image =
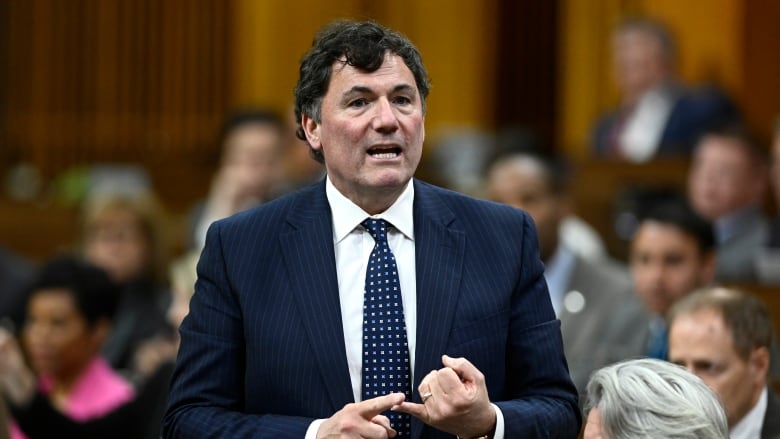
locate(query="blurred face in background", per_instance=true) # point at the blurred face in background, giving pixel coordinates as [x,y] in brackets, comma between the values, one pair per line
[251,158]
[775,174]
[56,335]
[116,241]
[723,178]
[666,264]
[523,183]
[639,62]
[701,342]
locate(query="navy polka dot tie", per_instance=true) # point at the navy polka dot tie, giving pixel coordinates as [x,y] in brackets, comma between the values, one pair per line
[385,349]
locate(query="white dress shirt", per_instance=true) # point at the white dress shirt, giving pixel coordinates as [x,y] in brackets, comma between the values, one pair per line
[749,427]
[641,135]
[350,239]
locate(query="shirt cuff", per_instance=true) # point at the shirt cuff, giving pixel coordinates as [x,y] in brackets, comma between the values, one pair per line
[499,434]
[311,433]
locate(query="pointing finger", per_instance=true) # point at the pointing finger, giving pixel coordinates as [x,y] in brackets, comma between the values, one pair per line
[369,408]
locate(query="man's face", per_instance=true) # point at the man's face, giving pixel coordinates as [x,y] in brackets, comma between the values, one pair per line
[522,183]
[722,178]
[250,165]
[666,264]
[702,343]
[638,62]
[372,130]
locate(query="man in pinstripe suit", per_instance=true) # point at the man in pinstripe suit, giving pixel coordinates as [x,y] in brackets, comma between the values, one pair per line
[273,344]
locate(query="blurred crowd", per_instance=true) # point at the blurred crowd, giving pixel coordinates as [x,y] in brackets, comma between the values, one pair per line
[95,329]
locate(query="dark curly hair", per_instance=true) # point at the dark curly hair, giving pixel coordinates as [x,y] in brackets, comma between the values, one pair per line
[362,45]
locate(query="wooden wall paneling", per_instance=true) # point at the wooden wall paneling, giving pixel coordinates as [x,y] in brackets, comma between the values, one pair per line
[761,95]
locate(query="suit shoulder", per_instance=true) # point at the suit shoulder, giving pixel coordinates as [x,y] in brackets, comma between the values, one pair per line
[273,214]
[465,206]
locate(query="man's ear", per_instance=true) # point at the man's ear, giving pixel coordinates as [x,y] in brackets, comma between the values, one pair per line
[759,363]
[312,130]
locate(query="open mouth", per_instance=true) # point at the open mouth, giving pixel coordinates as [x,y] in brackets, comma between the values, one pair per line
[382,152]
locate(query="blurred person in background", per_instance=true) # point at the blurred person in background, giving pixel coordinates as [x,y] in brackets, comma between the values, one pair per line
[774,238]
[727,183]
[768,258]
[658,116]
[649,398]
[590,297]
[69,312]
[724,336]
[135,419]
[300,169]
[671,254]
[250,169]
[124,235]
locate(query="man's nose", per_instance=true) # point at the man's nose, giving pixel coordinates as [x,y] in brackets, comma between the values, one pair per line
[385,119]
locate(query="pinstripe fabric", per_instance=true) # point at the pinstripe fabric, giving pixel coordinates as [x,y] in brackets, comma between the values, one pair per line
[264,334]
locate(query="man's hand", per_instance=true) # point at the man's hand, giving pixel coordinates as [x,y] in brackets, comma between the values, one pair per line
[455,400]
[362,419]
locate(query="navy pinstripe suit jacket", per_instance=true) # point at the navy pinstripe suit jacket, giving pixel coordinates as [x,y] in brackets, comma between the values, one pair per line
[262,352]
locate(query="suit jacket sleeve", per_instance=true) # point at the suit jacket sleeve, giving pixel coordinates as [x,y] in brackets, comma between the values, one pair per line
[541,400]
[207,396]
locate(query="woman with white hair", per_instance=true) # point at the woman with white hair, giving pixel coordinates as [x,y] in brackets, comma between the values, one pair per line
[648,398]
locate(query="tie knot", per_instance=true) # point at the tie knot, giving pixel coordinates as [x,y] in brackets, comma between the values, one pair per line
[377,228]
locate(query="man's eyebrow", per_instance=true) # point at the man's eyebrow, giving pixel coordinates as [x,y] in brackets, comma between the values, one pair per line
[359,89]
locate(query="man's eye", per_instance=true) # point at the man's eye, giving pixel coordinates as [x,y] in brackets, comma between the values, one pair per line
[358,103]
[402,100]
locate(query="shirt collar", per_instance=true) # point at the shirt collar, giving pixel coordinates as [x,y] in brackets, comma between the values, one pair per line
[557,272]
[348,215]
[750,425]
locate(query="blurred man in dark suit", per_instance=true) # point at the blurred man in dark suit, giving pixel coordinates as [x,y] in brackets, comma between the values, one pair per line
[658,116]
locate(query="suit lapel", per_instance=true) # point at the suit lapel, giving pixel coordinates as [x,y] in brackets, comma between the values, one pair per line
[439,250]
[308,252]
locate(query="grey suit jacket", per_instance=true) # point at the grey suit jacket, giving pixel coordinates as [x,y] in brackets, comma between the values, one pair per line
[603,330]
[736,255]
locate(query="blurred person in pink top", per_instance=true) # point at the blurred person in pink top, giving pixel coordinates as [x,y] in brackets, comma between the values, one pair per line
[69,313]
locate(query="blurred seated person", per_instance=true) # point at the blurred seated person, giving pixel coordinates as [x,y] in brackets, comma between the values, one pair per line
[249,169]
[768,262]
[587,296]
[724,336]
[136,419]
[657,116]
[649,398]
[726,185]
[672,253]
[161,351]
[15,275]
[300,169]
[774,239]
[123,234]
[69,312]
